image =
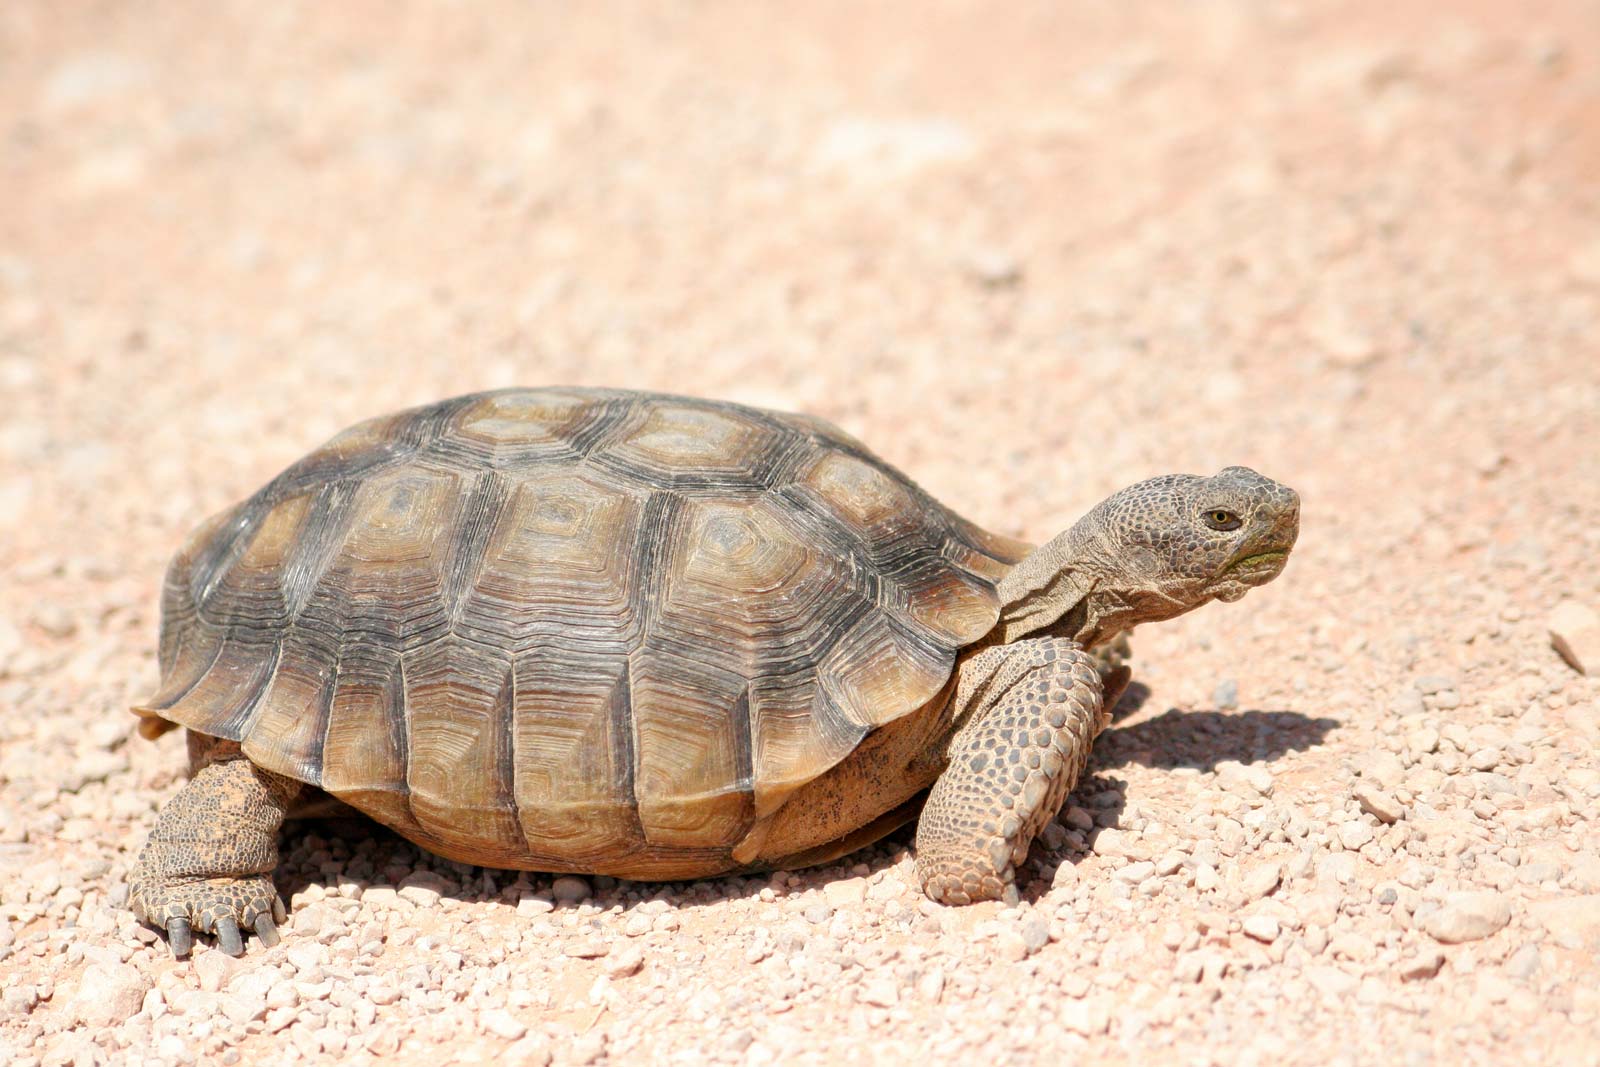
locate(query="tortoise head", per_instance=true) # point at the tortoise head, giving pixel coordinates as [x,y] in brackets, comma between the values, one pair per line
[1153,551]
[1188,539]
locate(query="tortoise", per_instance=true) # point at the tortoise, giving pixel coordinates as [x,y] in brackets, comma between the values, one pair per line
[653,637]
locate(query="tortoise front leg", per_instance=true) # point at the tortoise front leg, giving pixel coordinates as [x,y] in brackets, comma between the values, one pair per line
[208,863]
[1011,765]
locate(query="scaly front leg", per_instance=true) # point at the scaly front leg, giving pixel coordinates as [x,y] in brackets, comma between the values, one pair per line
[1011,765]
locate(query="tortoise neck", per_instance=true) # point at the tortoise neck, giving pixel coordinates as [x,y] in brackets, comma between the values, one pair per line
[1055,592]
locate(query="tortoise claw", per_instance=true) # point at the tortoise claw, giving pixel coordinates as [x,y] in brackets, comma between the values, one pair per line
[265,930]
[179,937]
[228,937]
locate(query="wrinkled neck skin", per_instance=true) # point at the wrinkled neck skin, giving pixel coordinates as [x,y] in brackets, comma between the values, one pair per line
[1070,588]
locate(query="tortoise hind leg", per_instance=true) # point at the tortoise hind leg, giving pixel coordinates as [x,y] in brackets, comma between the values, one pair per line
[208,863]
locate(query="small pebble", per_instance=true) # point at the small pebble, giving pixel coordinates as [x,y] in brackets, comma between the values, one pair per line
[818,912]
[570,889]
[1468,916]
[625,962]
[1261,880]
[880,992]
[845,892]
[1135,873]
[1354,834]
[1575,634]
[502,1024]
[1484,759]
[1035,930]
[1378,803]
[1078,819]
[1423,965]
[109,993]
[995,268]
[1246,778]
[214,968]
[423,888]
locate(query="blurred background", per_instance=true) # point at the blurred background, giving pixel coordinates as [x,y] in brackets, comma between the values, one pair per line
[1029,253]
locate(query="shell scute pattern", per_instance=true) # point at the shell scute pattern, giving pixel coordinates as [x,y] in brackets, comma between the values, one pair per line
[571,629]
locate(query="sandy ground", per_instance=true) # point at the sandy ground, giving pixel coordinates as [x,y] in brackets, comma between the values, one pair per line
[1030,253]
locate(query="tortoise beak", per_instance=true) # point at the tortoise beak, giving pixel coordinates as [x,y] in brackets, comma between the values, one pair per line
[1262,557]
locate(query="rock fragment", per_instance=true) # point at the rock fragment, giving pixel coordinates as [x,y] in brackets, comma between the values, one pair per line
[243,1008]
[109,994]
[625,962]
[1424,964]
[1088,1017]
[1035,930]
[1468,916]
[1332,982]
[1573,920]
[1379,803]
[1245,778]
[1523,963]
[1354,834]
[532,1051]
[379,896]
[880,992]
[845,891]
[1382,769]
[995,268]
[17,1001]
[423,888]
[530,907]
[502,1024]
[1261,881]
[13,831]
[1575,635]
[1134,873]
[214,969]
[570,889]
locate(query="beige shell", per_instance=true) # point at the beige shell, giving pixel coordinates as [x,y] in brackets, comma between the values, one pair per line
[571,629]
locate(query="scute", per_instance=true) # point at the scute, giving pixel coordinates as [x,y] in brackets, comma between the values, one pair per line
[860,493]
[572,629]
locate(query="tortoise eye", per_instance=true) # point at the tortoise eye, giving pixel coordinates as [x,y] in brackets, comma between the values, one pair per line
[1222,519]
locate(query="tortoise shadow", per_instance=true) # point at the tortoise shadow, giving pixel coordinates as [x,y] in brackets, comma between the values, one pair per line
[1177,738]
[1202,739]
[1131,701]
[356,851]
[352,850]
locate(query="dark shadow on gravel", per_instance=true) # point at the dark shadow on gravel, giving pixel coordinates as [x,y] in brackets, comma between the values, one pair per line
[330,851]
[1176,738]
[1202,739]
[1131,701]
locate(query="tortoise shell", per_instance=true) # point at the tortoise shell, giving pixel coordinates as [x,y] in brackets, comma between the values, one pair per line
[571,629]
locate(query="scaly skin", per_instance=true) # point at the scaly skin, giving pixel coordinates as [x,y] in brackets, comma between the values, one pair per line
[1011,766]
[208,863]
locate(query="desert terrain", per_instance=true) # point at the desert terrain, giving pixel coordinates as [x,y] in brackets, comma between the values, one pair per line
[1029,253]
